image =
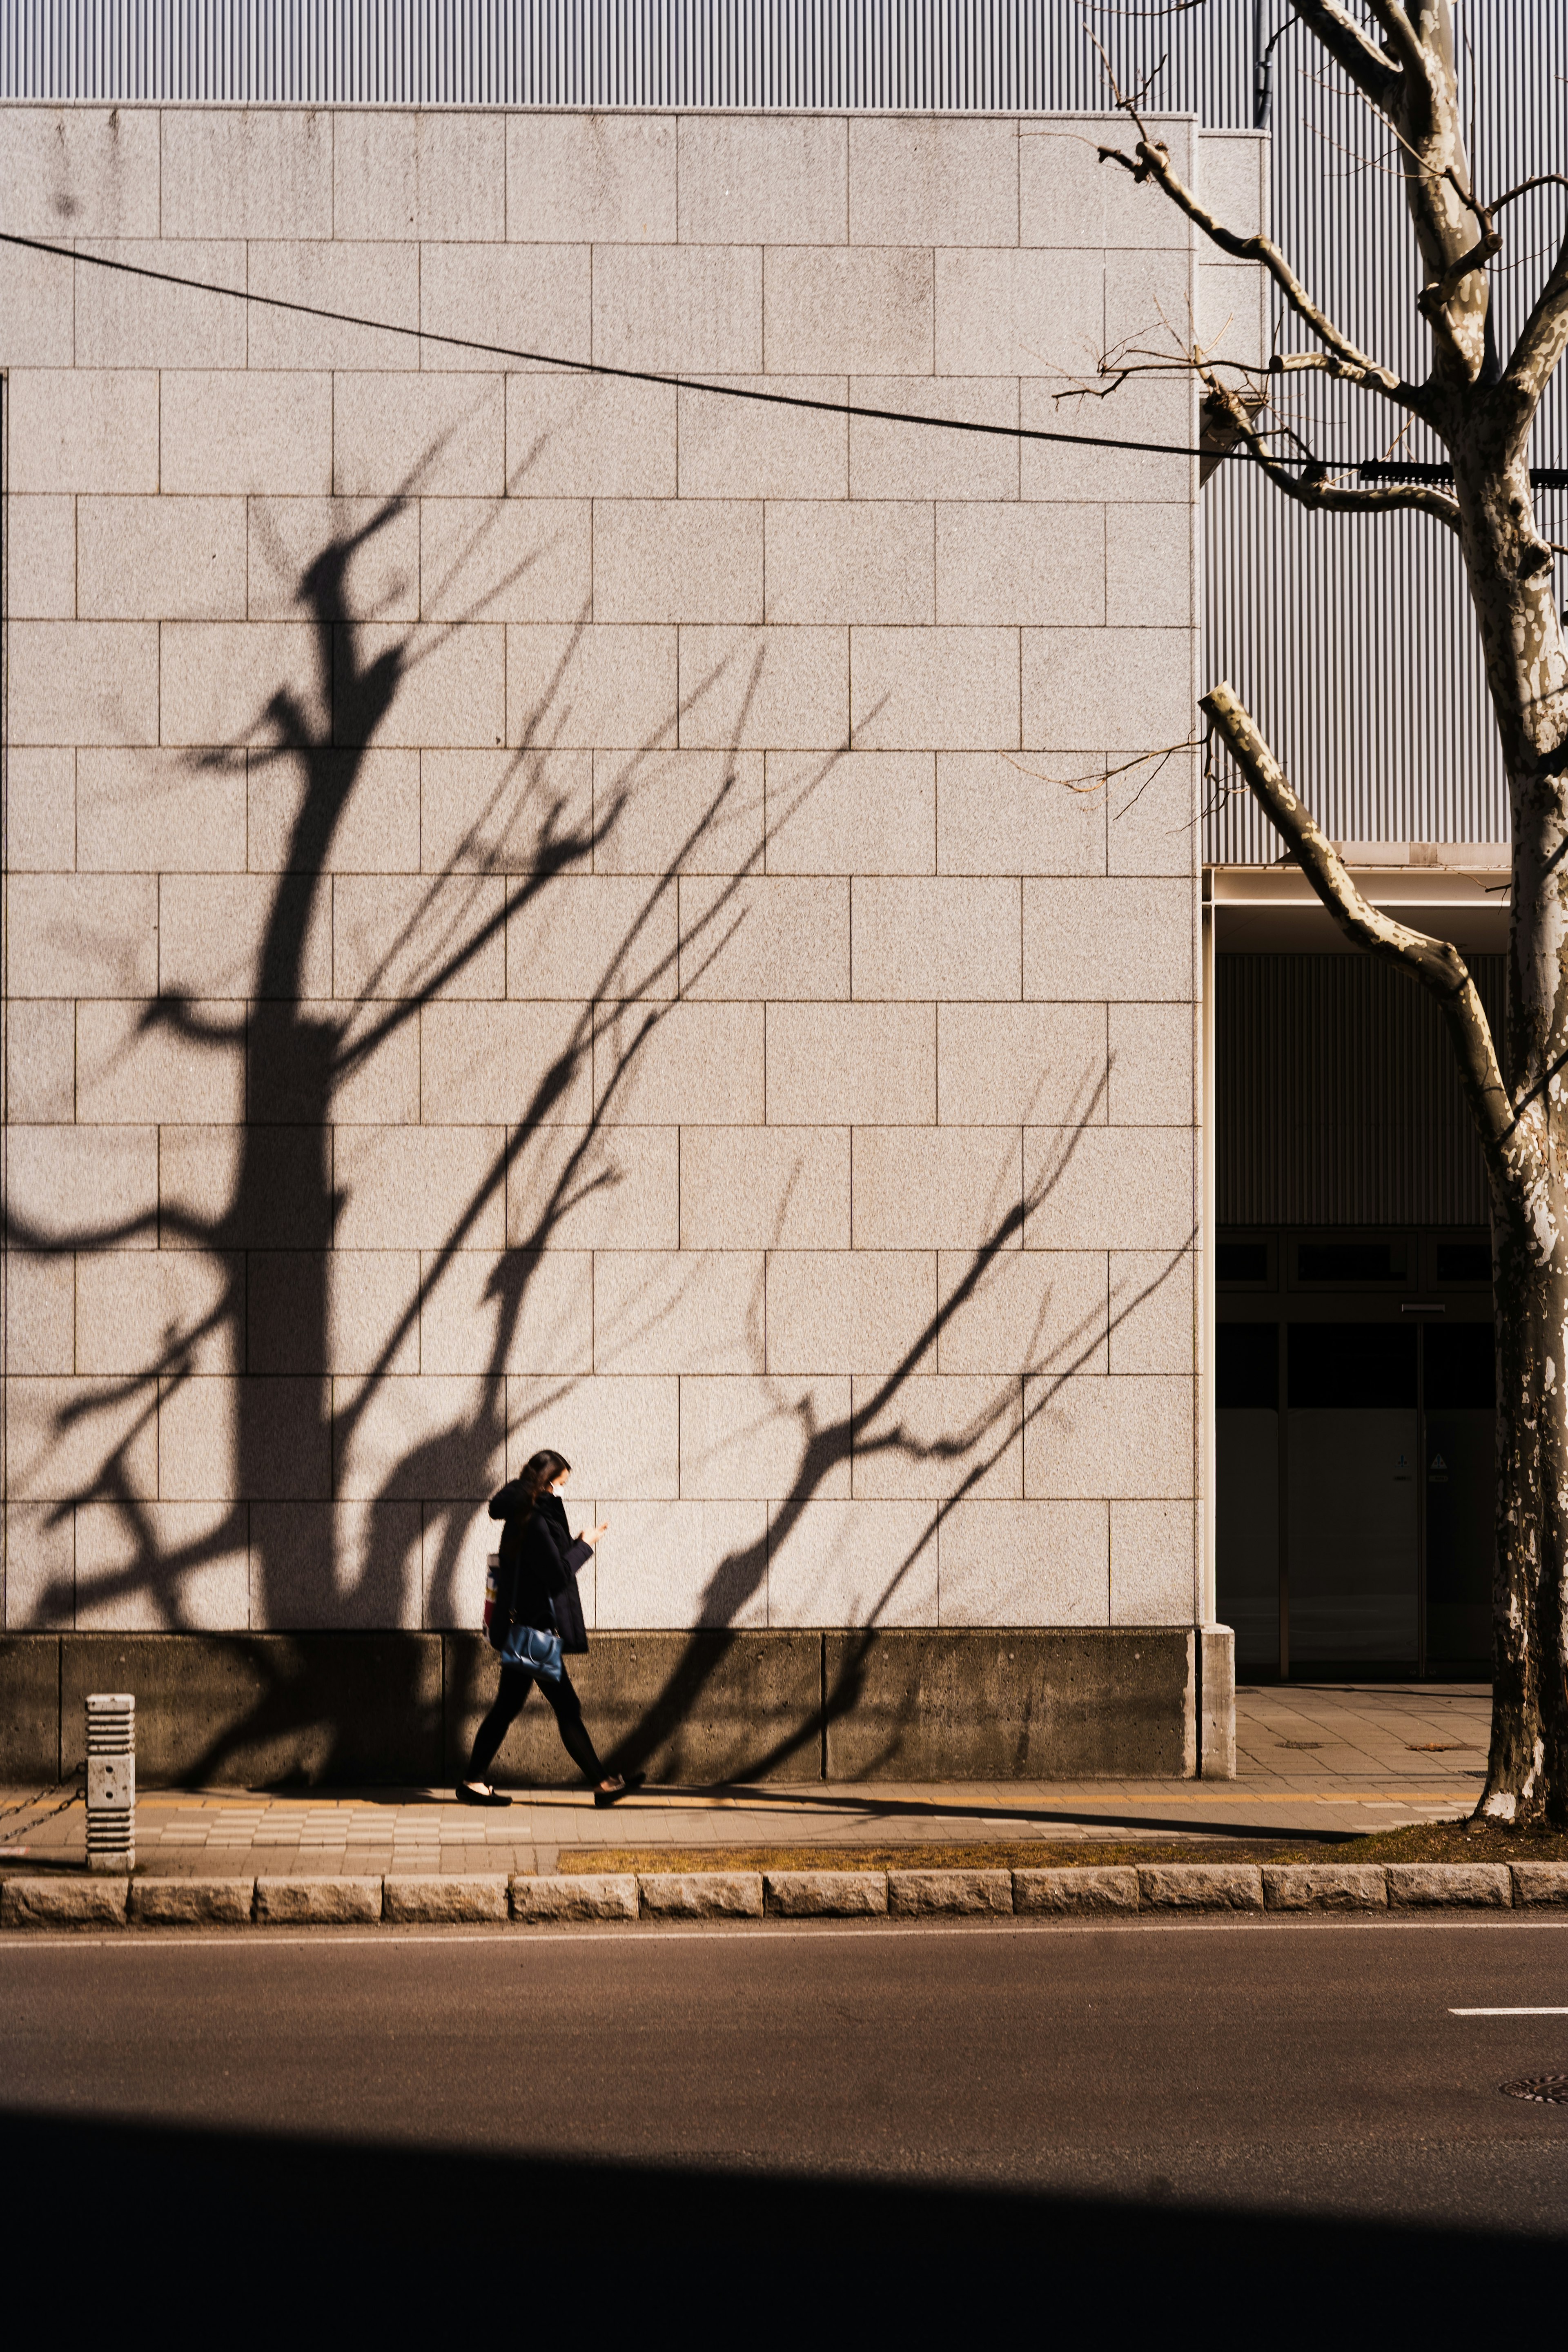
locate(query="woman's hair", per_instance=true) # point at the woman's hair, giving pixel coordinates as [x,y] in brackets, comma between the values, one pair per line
[539,1472]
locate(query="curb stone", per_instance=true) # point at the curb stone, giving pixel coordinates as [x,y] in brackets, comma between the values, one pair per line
[825,1893]
[1071,1890]
[1539,1882]
[63,1901]
[1201,1887]
[1413,1883]
[701,1893]
[317,1902]
[585,1895]
[192,1902]
[1324,1886]
[915,1894]
[439,1899]
[443,1897]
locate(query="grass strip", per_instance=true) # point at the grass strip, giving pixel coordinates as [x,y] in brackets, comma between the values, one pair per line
[1418,1841]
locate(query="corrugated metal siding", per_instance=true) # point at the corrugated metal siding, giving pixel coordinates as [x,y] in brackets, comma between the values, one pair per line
[998,56]
[1351,639]
[1338,1103]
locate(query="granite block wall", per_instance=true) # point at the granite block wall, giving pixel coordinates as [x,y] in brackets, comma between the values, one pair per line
[554,909]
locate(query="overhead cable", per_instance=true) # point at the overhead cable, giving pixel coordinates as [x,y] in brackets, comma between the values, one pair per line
[633,376]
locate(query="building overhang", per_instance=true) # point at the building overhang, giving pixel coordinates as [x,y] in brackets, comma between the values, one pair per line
[1451,890]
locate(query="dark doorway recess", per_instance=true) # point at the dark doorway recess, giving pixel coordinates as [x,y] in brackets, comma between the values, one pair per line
[1353,1407]
[1355,1414]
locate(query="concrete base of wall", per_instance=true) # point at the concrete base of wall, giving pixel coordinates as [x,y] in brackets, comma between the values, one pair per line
[260,1710]
[1216,1702]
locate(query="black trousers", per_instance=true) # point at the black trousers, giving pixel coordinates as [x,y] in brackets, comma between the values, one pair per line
[515,1682]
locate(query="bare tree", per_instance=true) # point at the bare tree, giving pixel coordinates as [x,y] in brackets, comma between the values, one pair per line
[1480,408]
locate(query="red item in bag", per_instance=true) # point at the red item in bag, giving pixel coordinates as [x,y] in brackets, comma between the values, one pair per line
[494,1629]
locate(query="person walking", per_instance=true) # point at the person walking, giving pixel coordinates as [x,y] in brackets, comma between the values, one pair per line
[537,1619]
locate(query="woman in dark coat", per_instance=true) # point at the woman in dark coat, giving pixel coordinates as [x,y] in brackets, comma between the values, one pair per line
[536,1585]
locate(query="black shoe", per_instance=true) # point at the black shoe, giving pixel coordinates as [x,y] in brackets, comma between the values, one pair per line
[467,1796]
[623,1787]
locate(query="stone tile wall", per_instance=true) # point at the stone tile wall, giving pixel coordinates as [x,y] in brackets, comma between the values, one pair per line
[548,909]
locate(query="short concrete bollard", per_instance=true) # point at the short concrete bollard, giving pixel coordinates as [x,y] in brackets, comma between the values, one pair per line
[63,1901]
[317,1902]
[701,1893]
[916,1893]
[1075,1892]
[1416,1885]
[192,1902]
[112,1782]
[1201,1887]
[1324,1886]
[825,1893]
[585,1895]
[439,1899]
[1539,1882]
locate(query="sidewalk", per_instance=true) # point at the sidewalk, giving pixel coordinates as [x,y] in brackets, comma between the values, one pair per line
[1309,1760]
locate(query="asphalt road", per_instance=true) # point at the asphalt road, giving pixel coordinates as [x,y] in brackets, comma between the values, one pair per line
[1280,2091]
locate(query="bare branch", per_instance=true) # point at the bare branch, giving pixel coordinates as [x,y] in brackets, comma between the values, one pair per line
[1153,162]
[1434,300]
[1414,73]
[1436,963]
[1219,429]
[1292,362]
[1419,106]
[1543,335]
[1102,779]
[1315,487]
[1539,179]
[1349,46]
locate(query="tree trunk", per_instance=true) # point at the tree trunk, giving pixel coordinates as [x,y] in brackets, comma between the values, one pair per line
[1482,411]
[1513,593]
[1525,1775]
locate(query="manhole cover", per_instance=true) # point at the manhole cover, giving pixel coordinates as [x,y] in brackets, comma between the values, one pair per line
[1297,1743]
[1545,2090]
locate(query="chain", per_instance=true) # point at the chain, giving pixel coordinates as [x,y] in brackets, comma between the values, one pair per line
[27,1804]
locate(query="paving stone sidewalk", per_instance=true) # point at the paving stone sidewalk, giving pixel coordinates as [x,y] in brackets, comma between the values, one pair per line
[1310,1758]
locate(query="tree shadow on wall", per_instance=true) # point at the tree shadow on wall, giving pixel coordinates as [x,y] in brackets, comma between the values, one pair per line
[339,1527]
[267,1244]
[885,1430]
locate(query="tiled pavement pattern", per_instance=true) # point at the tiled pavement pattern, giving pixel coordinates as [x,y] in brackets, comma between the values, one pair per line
[1308,1758]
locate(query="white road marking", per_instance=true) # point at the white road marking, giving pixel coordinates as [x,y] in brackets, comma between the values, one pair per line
[651,1932]
[1508,2012]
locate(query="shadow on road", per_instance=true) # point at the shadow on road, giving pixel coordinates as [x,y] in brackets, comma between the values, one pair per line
[333,2225]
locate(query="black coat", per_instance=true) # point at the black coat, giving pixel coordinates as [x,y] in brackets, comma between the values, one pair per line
[537,1584]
